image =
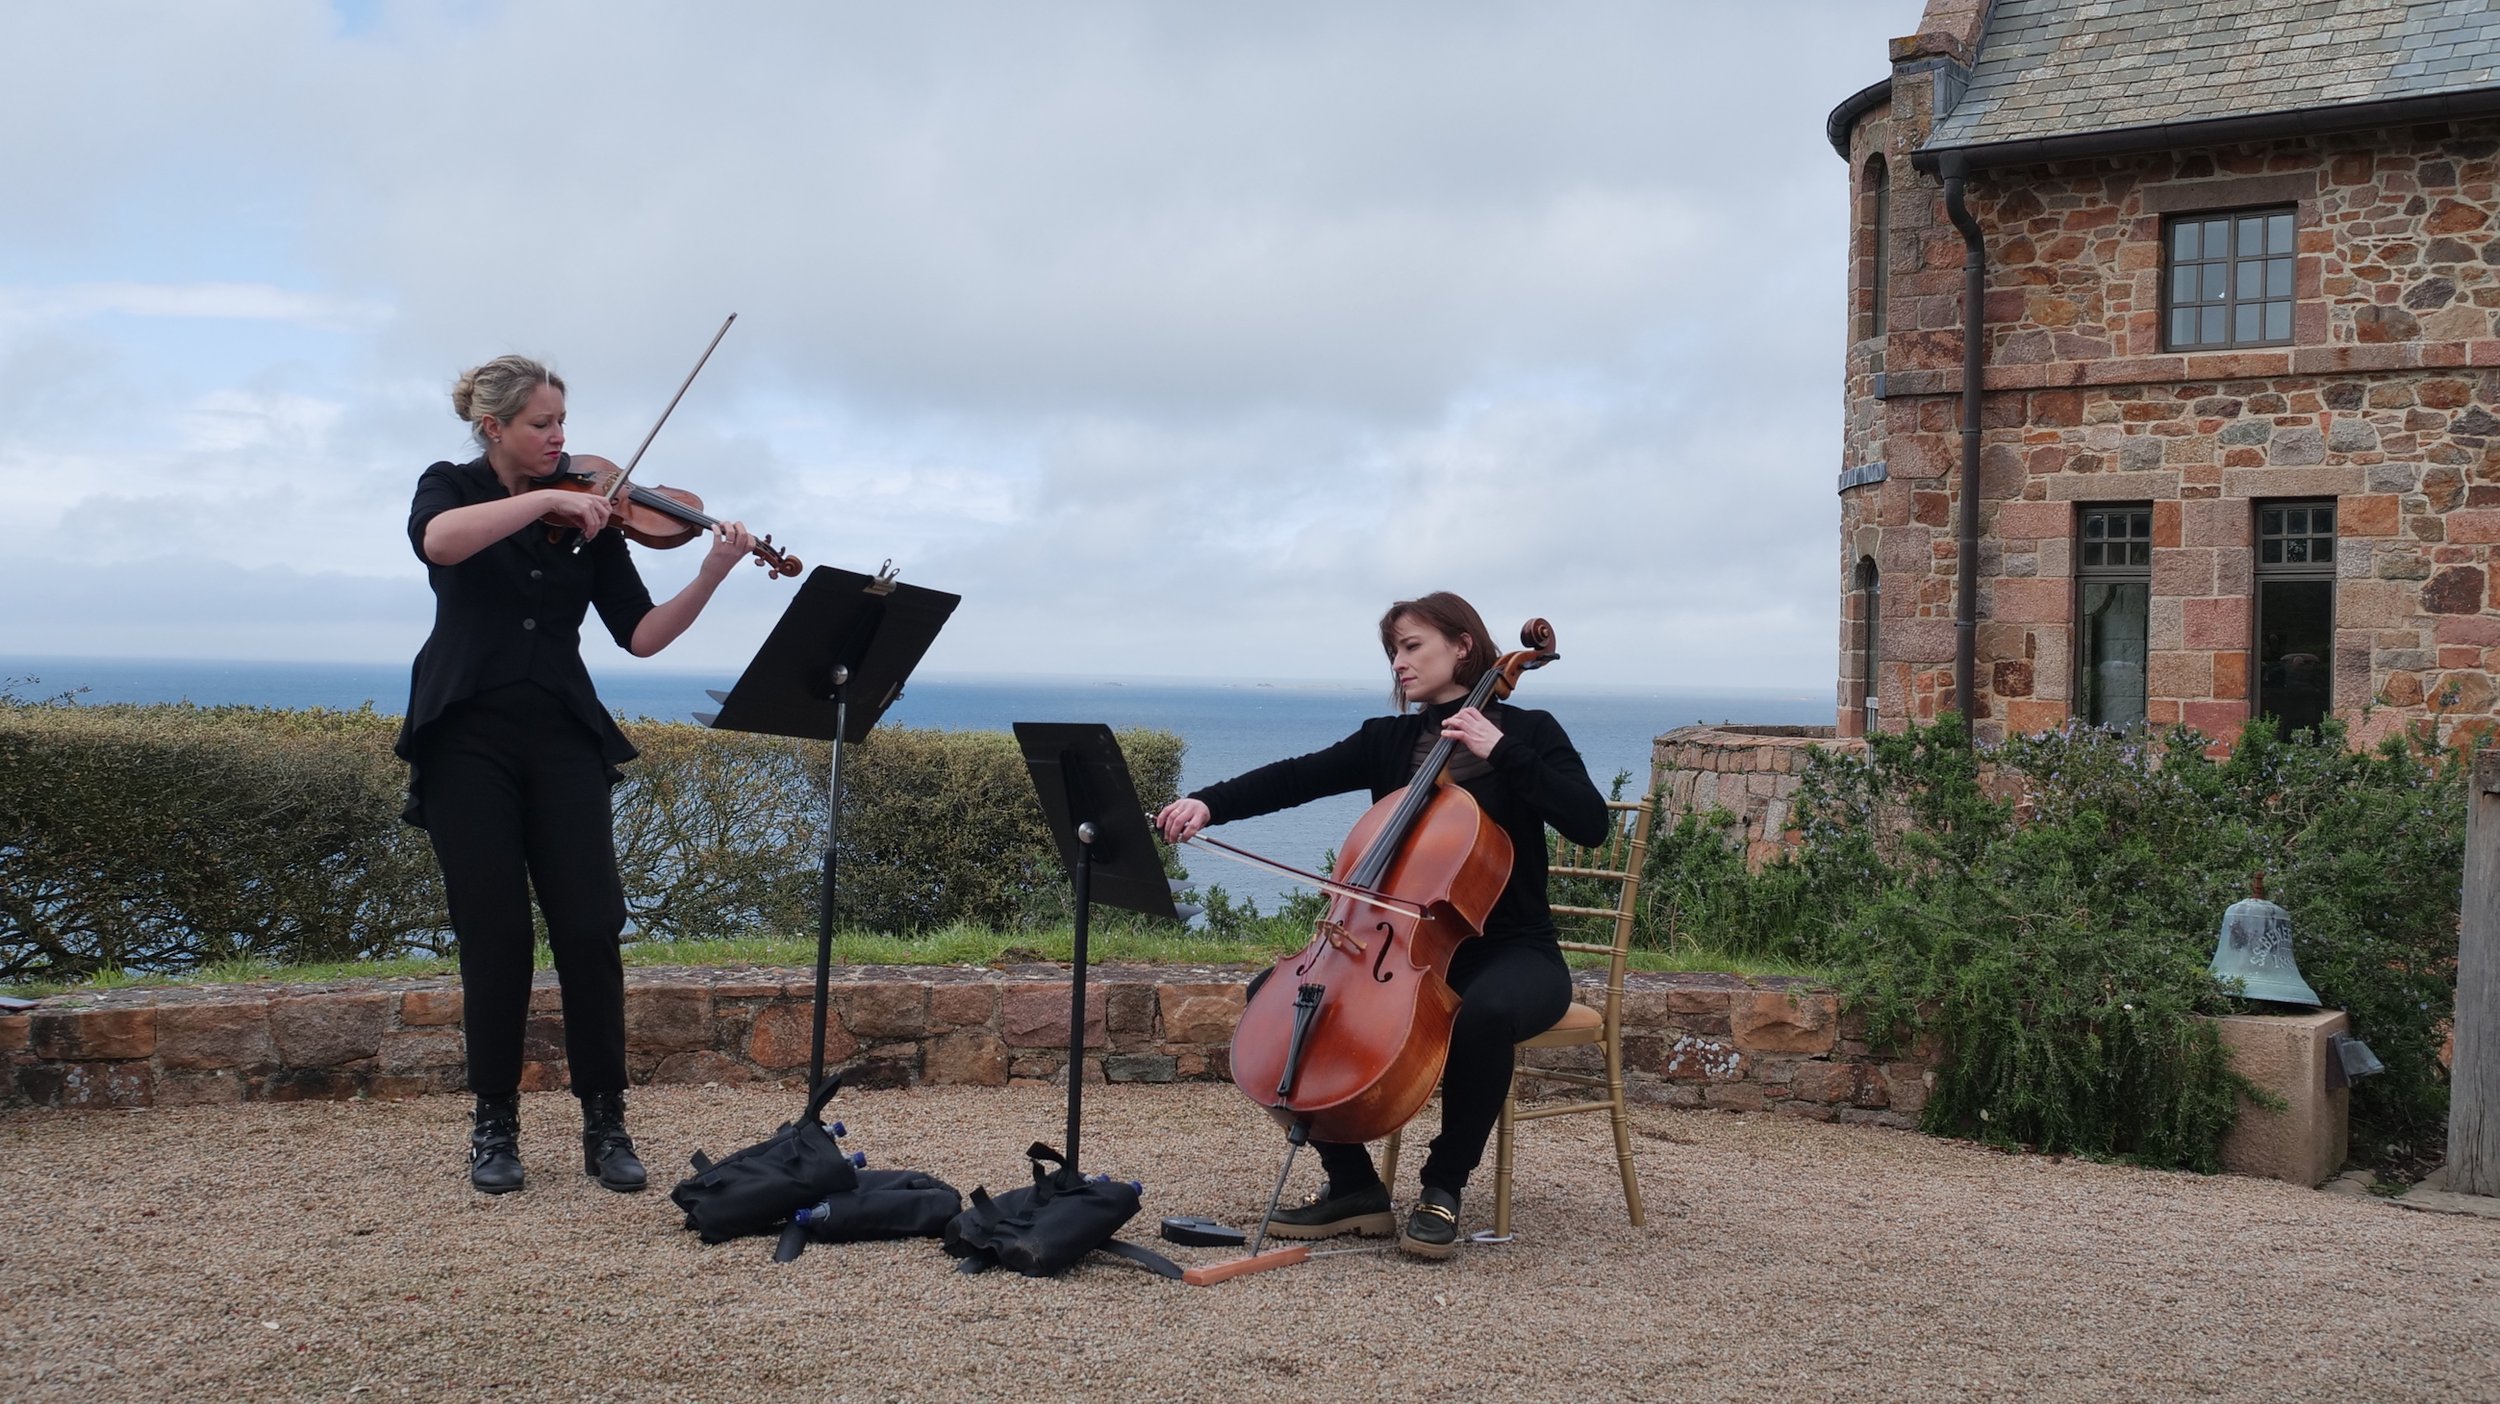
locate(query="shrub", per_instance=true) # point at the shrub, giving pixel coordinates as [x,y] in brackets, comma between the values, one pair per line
[724,834]
[2048,909]
[178,837]
[174,837]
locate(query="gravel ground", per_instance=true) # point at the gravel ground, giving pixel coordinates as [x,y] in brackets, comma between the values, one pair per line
[334,1249]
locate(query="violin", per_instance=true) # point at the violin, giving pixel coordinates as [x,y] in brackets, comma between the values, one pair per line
[1347,1038]
[658,517]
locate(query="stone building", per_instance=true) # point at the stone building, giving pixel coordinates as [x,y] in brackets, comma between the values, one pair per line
[2172,378]
[2234,431]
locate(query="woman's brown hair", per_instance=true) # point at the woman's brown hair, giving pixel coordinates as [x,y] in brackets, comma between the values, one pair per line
[1456,619]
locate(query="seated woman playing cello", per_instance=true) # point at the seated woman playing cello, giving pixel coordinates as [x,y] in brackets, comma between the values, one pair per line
[1522,770]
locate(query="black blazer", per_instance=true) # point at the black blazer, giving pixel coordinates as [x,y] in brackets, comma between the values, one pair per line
[1533,778]
[513,613]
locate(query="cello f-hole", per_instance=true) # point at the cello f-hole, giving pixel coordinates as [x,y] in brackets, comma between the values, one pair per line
[1379,975]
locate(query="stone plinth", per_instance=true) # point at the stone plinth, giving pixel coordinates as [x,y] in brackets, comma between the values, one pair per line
[2286,1054]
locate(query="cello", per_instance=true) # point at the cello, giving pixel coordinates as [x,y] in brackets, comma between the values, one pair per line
[1346,1039]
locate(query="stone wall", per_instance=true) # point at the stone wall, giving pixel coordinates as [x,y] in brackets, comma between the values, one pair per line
[1750,772]
[1690,1040]
[2387,401]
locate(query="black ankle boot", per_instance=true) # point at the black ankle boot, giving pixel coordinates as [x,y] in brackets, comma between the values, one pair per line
[494,1149]
[607,1151]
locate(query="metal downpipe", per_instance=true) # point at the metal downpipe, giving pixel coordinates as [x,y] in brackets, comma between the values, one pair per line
[1966,552]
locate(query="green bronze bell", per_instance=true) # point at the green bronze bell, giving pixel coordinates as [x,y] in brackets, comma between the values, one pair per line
[2255,948]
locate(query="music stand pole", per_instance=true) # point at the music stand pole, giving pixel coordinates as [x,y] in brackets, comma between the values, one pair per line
[844,638]
[1082,876]
[824,888]
[1090,805]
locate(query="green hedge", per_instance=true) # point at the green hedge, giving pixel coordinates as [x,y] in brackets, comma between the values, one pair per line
[167,838]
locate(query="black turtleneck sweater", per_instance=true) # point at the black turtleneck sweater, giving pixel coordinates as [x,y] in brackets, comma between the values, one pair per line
[1533,778]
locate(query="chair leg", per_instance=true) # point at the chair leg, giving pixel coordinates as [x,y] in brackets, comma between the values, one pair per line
[1389,1163]
[1623,1132]
[1501,1170]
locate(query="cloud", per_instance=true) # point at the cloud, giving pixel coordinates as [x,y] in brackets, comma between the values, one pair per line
[250,302]
[1179,339]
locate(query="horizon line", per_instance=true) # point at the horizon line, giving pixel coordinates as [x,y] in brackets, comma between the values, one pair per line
[629,670]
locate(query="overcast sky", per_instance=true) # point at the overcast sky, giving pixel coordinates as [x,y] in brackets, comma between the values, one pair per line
[1177,338]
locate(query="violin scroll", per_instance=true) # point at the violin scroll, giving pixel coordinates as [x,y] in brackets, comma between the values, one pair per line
[777,563]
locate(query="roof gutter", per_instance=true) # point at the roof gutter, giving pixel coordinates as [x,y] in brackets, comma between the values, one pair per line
[2214,131]
[1844,118]
[1966,544]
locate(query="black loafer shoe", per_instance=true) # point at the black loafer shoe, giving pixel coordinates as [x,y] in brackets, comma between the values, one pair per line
[1432,1230]
[1328,1213]
[494,1145]
[607,1152]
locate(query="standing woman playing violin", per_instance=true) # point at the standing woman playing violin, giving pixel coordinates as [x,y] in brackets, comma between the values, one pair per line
[513,754]
[1522,770]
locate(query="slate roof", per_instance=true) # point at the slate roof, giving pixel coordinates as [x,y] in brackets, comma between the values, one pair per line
[2061,68]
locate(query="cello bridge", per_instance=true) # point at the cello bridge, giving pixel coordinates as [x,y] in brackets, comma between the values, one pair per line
[1334,933]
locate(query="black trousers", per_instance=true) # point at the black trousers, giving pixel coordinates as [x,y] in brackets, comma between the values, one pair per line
[516,798]
[1509,990]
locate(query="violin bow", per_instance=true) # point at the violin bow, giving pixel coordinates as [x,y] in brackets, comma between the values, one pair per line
[617,488]
[1327,885]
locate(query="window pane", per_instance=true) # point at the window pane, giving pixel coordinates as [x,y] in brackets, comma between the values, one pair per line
[2094,525]
[2215,284]
[2209,325]
[2217,237]
[2252,236]
[2251,280]
[2140,524]
[2139,553]
[2296,550]
[2183,327]
[2279,233]
[2278,321]
[2248,322]
[2183,283]
[2278,277]
[2270,521]
[2296,521]
[2271,553]
[2183,239]
[2295,648]
[2113,651]
[2322,549]
[2322,519]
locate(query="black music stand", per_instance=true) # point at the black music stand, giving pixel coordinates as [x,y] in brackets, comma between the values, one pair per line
[1091,805]
[846,638]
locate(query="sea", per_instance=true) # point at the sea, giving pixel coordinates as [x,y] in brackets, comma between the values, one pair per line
[1228,726]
